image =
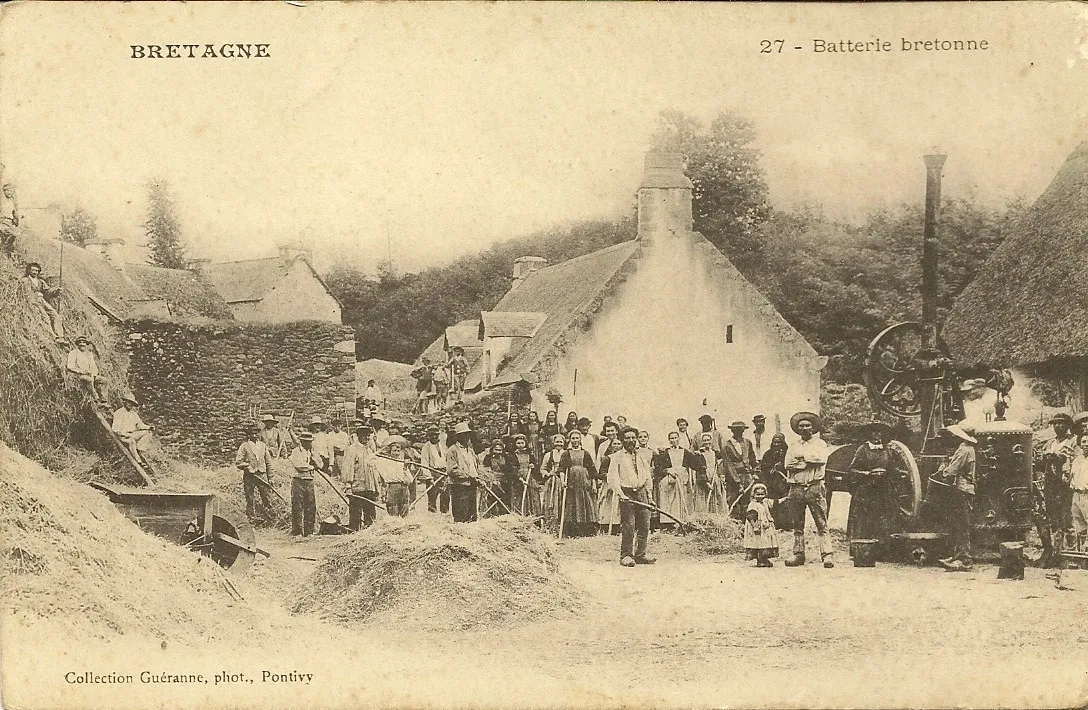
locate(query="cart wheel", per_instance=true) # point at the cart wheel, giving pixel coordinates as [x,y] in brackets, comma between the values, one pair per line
[227,553]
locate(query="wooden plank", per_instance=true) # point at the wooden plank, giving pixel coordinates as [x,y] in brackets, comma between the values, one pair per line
[239,544]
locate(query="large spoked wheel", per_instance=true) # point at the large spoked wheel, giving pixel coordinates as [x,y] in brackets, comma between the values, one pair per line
[890,375]
[905,485]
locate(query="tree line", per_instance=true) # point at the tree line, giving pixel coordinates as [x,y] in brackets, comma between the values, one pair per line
[838,283]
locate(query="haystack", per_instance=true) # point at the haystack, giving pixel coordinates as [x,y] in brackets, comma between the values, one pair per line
[714,535]
[438,575]
[73,564]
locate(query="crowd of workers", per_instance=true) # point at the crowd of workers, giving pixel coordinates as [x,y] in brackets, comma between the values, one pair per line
[573,481]
[576,482]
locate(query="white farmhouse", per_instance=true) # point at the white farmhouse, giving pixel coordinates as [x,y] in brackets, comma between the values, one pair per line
[655,328]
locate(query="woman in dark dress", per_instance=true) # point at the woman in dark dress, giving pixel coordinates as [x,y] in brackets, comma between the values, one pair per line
[550,427]
[496,473]
[524,481]
[571,424]
[532,430]
[773,474]
[577,469]
[552,495]
[872,503]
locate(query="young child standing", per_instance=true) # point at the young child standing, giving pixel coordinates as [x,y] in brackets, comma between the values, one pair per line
[760,538]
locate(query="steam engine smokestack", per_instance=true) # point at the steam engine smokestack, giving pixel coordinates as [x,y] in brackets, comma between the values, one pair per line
[934,163]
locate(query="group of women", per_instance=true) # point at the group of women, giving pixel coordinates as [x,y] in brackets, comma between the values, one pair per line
[557,472]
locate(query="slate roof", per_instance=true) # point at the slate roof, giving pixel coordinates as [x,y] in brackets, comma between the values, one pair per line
[564,292]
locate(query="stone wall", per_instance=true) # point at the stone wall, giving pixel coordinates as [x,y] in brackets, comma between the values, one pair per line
[198,382]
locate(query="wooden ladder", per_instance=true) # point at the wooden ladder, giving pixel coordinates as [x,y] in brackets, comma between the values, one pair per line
[107,426]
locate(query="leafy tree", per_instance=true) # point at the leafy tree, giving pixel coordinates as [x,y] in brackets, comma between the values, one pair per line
[840,284]
[729,201]
[162,227]
[78,227]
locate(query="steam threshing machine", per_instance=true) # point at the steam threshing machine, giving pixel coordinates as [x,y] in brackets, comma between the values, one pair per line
[911,377]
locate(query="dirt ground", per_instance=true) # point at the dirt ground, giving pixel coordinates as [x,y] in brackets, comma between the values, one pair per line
[689,631]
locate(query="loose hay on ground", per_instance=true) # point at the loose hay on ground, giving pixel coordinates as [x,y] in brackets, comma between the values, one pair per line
[439,575]
[714,535]
[73,563]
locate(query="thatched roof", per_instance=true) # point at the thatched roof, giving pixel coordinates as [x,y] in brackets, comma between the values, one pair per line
[1029,303]
[248,280]
[565,292]
[510,324]
[140,291]
[185,293]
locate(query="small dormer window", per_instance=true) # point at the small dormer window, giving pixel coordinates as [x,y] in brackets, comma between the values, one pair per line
[729,333]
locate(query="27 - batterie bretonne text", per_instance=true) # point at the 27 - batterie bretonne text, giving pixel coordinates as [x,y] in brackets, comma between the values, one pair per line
[903,45]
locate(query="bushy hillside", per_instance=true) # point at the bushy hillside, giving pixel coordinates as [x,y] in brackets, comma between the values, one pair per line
[398,316]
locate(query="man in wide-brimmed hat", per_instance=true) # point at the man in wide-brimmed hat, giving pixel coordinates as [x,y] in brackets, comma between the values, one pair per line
[271,434]
[463,473]
[432,457]
[872,503]
[805,464]
[34,289]
[394,475]
[380,422]
[304,461]
[954,485]
[1057,495]
[131,429]
[739,455]
[1080,423]
[361,477]
[255,462]
[82,364]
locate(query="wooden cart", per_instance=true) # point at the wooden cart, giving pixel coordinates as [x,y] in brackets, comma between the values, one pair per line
[196,520]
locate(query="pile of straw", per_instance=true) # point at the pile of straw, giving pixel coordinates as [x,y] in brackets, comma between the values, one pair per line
[73,564]
[40,406]
[437,575]
[714,535]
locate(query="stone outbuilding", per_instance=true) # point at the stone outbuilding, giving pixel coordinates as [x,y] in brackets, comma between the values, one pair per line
[277,289]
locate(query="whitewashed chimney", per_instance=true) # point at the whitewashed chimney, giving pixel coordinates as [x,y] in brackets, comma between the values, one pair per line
[664,197]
